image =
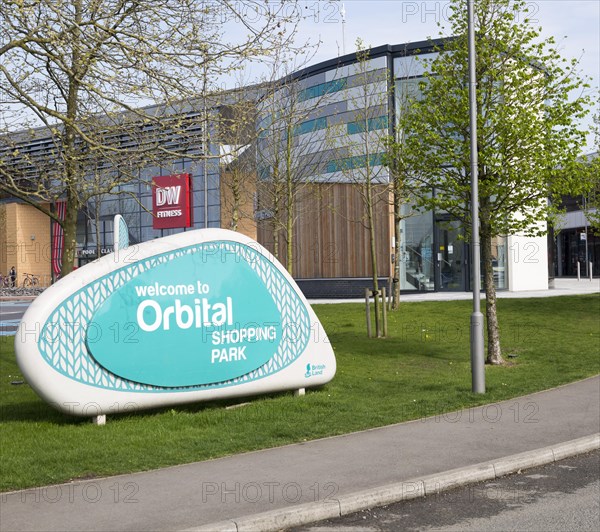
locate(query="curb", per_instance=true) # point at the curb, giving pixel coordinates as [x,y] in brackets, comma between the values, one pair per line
[303,514]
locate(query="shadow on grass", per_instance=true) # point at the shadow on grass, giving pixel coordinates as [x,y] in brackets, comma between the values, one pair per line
[36,410]
[427,348]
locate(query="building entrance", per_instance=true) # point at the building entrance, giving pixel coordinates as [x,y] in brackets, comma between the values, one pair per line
[575,246]
[450,257]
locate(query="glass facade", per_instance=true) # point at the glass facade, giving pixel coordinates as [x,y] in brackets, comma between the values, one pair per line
[134,202]
[420,268]
[575,246]
[353,107]
[499,262]
[450,256]
[372,124]
[321,89]
[417,268]
[356,161]
[435,255]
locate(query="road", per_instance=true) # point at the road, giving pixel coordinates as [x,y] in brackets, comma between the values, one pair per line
[11,313]
[556,497]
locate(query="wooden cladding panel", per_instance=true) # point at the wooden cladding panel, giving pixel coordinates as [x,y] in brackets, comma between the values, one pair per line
[246,183]
[330,236]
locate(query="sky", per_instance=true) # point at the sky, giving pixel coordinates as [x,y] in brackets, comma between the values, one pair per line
[575,24]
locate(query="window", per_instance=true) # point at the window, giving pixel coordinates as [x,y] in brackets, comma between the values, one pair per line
[323,88]
[379,122]
[264,173]
[310,126]
[350,163]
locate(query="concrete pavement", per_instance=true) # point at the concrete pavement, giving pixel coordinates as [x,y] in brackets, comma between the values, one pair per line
[561,287]
[301,483]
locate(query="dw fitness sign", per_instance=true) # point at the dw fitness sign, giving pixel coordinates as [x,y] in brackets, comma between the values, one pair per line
[197,316]
[171,201]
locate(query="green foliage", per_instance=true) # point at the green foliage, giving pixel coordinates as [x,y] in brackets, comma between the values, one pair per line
[591,177]
[421,369]
[528,139]
[527,125]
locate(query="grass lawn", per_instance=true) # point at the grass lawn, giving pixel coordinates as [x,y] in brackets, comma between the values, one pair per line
[421,369]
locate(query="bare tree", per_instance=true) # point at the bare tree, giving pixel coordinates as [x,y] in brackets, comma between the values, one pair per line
[400,170]
[115,81]
[361,149]
[238,134]
[292,135]
[400,184]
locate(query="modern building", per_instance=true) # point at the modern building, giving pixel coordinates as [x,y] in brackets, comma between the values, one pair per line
[133,199]
[576,244]
[331,117]
[347,106]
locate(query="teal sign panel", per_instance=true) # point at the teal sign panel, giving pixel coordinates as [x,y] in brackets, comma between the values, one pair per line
[193,320]
[211,315]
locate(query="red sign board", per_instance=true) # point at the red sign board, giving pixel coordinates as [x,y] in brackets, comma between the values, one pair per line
[172,201]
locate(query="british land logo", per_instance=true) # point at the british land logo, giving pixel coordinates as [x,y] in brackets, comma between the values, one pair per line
[314,370]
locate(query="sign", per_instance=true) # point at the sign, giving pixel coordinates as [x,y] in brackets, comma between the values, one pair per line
[120,233]
[190,328]
[202,315]
[120,240]
[171,201]
[92,252]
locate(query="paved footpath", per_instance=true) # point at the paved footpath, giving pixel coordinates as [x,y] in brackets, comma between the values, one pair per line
[295,484]
[560,287]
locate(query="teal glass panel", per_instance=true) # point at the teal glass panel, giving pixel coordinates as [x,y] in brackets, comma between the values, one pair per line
[350,163]
[310,125]
[379,122]
[323,88]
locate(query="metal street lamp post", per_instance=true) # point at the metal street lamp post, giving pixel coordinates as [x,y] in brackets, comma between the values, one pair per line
[477,362]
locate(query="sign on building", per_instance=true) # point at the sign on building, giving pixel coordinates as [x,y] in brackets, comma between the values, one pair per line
[172,201]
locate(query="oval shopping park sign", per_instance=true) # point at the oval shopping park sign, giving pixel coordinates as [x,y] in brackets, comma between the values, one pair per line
[201,315]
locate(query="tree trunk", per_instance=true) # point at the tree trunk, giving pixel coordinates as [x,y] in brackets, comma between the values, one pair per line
[236,197]
[69,235]
[289,184]
[290,238]
[97,226]
[494,353]
[397,257]
[275,227]
[373,247]
[72,169]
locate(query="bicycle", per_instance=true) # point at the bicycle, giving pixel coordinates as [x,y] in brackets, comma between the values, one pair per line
[30,280]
